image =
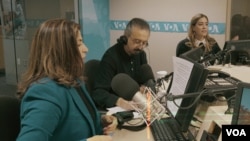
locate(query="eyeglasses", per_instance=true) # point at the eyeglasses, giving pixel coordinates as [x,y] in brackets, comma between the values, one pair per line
[140,42]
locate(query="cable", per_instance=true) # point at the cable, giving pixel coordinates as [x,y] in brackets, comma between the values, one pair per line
[131,122]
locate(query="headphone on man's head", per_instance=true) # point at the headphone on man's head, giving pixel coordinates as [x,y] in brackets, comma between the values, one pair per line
[122,40]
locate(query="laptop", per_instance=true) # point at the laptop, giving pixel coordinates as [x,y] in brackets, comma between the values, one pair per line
[241,114]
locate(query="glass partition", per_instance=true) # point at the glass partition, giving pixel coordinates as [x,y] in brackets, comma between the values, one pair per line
[19,21]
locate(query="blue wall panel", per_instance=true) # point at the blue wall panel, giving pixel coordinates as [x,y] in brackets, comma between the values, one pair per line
[95,23]
[162,26]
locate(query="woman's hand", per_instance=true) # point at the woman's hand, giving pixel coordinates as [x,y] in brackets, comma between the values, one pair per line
[109,123]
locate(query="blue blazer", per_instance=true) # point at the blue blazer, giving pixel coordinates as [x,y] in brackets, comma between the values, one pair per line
[53,112]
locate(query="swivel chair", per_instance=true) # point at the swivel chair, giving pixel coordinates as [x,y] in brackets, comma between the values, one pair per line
[9,118]
[90,71]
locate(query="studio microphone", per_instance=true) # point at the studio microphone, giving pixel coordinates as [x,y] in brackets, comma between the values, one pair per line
[126,87]
[226,52]
[145,103]
[223,52]
[146,77]
[219,55]
[168,76]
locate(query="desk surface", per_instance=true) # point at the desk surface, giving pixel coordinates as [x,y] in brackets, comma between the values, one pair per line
[126,135]
[239,72]
[214,116]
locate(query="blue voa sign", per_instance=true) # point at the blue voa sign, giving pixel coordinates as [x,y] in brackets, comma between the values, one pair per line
[179,27]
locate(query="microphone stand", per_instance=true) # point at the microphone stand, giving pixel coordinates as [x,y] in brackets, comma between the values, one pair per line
[225,59]
[161,80]
[207,58]
[171,97]
[221,56]
[212,92]
[197,95]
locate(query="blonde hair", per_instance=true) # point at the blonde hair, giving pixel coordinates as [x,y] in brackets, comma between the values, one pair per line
[54,54]
[210,41]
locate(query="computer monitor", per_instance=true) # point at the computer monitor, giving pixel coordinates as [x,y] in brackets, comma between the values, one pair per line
[193,55]
[239,52]
[199,55]
[195,84]
[241,114]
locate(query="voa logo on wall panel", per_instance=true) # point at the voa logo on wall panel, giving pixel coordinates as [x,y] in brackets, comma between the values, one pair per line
[175,27]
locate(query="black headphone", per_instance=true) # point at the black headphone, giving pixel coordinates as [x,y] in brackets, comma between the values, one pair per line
[126,116]
[122,40]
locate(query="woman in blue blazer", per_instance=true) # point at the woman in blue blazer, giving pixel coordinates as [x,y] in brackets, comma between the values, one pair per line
[55,105]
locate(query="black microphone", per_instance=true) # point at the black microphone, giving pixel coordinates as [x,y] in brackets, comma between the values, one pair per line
[219,55]
[208,57]
[166,78]
[146,77]
[124,86]
[227,51]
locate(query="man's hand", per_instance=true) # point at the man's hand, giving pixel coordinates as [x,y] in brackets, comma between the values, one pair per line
[124,104]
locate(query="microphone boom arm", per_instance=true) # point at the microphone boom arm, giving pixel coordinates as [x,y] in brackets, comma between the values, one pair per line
[210,92]
[171,97]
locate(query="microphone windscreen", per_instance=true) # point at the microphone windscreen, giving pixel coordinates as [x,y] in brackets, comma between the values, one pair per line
[124,86]
[145,73]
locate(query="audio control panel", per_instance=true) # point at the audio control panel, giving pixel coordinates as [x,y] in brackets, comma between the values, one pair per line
[218,79]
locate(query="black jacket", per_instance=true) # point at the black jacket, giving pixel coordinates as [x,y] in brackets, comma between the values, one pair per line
[114,61]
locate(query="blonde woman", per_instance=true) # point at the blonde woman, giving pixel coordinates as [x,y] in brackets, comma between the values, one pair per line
[198,36]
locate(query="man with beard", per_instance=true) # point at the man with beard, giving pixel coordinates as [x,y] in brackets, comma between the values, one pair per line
[126,56]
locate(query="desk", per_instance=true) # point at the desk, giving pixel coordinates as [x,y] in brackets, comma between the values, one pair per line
[214,117]
[239,72]
[125,135]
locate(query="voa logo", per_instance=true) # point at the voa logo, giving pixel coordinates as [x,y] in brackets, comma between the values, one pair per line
[177,27]
[236,132]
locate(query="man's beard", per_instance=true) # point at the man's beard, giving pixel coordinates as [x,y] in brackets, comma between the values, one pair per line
[137,51]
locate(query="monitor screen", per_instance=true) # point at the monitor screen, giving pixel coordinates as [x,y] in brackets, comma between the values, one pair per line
[199,55]
[193,55]
[239,52]
[195,84]
[241,114]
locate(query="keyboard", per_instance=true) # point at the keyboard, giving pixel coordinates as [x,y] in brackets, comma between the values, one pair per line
[166,129]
